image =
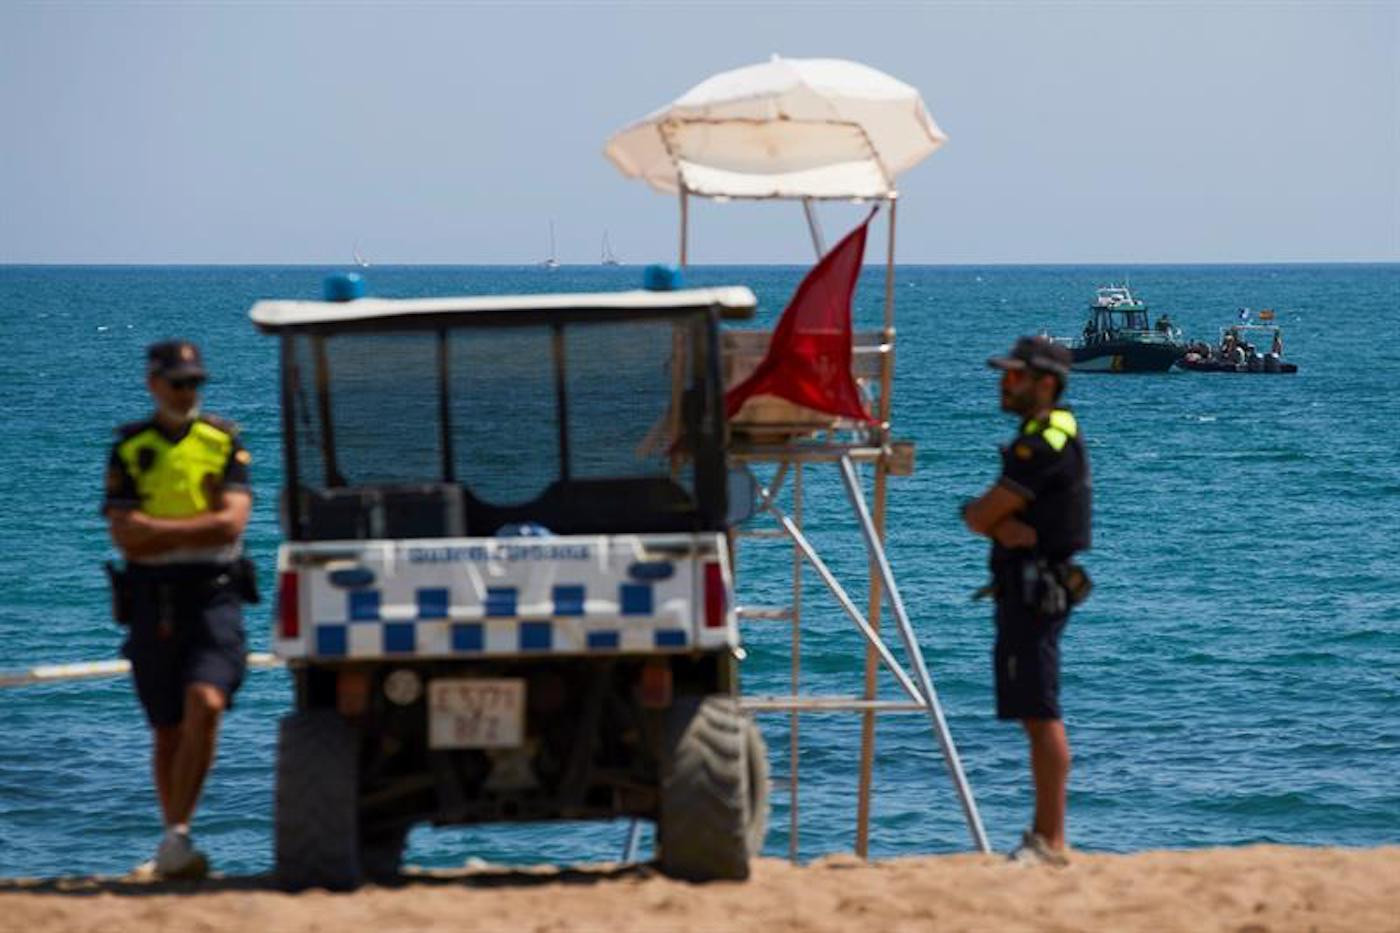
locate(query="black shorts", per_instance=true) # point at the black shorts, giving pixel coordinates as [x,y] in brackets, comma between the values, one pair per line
[185,629]
[1027,658]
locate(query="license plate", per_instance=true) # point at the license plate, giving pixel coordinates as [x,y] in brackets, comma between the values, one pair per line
[476,713]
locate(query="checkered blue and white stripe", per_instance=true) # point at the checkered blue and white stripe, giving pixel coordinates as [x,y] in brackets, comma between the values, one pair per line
[504,597]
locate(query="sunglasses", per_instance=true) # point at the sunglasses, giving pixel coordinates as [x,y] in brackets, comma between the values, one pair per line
[192,382]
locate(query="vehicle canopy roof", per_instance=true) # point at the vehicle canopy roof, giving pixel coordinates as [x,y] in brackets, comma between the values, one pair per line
[278,316]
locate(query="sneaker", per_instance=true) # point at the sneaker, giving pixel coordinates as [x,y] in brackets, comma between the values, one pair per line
[1034,850]
[178,858]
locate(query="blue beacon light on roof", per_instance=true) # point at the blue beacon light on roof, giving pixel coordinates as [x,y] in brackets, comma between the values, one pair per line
[343,286]
[662,278]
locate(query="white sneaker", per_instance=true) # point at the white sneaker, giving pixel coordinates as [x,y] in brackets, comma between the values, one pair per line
[178,858]
[1034,850]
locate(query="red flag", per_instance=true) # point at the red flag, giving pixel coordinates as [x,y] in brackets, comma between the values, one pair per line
[809,358]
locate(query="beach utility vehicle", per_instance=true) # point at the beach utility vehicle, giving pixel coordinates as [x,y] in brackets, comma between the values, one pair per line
[505,591]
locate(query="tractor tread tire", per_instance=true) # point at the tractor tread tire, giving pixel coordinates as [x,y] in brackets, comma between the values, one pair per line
[316,814]
[714,790]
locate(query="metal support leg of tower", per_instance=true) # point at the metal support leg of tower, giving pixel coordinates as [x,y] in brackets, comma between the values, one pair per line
[795,614]
[919,687]
[842,597]
[916,656]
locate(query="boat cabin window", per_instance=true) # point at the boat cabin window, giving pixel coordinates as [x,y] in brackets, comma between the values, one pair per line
[1134,320]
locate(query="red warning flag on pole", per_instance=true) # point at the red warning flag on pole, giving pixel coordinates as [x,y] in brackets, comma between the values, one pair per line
[809,358]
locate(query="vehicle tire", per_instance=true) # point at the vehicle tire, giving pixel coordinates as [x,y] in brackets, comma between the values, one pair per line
[714,791]
[316,813]
[758,786]
[381,853]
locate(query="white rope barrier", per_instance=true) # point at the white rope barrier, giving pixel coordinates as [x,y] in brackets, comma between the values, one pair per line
[84,670]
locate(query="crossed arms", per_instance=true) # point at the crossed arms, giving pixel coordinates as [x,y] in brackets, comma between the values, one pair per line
[139,535]
[994,515]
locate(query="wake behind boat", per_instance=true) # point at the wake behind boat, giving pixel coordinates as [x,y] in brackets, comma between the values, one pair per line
[1118,339]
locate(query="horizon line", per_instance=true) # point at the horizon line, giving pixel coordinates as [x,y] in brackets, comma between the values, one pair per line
[693,265]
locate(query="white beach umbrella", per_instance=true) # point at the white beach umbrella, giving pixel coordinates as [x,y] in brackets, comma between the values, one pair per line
[788,128]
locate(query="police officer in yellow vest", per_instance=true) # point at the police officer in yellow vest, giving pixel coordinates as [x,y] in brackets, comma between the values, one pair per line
[1037,514]
[177,501]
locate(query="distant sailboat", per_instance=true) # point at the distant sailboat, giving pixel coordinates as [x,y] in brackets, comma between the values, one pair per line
[609,257]
[551,262]
[360,261]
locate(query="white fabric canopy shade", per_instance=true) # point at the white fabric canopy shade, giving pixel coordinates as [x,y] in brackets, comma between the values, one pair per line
[788,128]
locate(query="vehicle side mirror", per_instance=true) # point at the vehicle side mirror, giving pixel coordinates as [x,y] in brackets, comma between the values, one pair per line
[743,496]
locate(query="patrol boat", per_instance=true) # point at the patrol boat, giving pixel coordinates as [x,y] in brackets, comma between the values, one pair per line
[1117,338]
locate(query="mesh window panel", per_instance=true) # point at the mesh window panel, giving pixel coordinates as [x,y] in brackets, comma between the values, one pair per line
[624,400]
[505,434]
[306,420]
[384,406]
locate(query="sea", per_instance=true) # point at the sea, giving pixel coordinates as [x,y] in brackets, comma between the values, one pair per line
[1234,678]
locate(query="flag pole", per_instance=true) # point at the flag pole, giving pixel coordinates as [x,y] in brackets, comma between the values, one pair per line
[685,224]
[814,227]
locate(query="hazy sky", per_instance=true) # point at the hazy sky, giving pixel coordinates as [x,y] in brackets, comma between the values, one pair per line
[454,133]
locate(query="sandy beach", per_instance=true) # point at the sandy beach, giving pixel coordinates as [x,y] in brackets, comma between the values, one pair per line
[1254,889]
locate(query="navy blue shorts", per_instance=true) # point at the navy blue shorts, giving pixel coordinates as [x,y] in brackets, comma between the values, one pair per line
[1027,658]
[184,631]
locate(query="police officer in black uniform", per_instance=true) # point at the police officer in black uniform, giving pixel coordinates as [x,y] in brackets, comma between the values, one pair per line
[177,501]
[1037,515]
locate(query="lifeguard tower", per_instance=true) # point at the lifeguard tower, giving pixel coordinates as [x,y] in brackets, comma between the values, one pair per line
[813,392]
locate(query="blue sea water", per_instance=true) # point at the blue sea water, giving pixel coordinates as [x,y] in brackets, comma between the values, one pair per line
[1234,679]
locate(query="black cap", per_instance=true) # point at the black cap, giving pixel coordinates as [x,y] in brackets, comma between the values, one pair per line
[1038,353]
[175,359]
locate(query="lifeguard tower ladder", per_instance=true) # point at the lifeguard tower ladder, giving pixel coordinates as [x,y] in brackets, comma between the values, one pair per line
[811,131]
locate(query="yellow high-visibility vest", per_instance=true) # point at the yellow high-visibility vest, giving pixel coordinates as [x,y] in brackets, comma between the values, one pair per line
[174,480]
[1057,432]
